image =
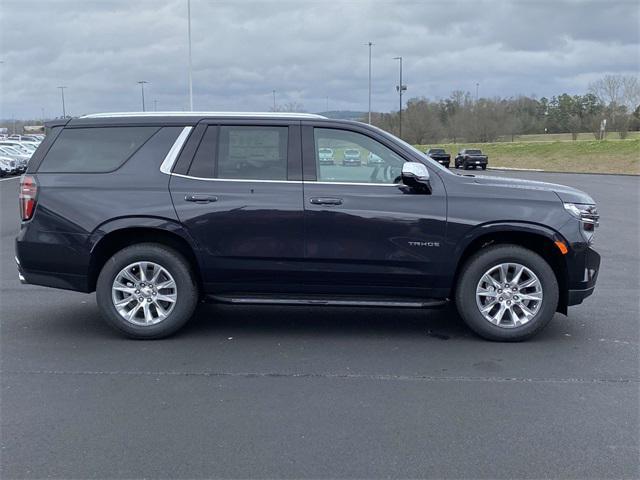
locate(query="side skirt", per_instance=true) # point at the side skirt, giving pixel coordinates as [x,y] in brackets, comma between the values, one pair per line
[334,300]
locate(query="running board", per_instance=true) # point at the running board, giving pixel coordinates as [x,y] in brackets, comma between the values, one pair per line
[331,301]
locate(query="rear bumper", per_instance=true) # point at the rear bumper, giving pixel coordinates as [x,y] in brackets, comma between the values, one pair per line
[65,281]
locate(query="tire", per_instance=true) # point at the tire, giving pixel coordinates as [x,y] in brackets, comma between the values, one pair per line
[483,261]
[484,167]
[465,166]
[157,257]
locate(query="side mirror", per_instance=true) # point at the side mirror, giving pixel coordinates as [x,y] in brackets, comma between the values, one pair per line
[416,175]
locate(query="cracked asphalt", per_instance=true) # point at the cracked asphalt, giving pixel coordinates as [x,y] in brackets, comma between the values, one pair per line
[257,392]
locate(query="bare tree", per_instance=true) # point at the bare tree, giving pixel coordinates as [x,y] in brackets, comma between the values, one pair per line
[575,125]
[608,89]
[289,107]
[630,92]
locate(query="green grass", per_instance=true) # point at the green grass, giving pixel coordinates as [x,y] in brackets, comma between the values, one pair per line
[608,156]
[563,137]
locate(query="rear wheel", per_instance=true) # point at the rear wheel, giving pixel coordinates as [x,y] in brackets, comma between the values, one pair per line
[506,293]
[147,291]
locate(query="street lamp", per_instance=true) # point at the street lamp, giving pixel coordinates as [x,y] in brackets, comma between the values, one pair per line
[190,65]
[141,83]
[400,88]
[370,45]
[477,87]
[64,111]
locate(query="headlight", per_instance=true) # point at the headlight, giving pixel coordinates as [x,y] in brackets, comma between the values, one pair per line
[588,216]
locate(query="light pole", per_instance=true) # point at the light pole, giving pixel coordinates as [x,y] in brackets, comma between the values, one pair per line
[477,87]
[274,100]
[400,88]
[190,65]
[142,82]
[370,45]
[64,111]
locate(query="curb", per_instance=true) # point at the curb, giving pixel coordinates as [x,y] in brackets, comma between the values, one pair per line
[538,170]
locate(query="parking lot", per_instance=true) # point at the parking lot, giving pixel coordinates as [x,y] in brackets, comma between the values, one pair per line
[327,392]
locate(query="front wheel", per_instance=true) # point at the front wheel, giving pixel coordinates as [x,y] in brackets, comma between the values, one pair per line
[506,293]
[484,167]
[147,291]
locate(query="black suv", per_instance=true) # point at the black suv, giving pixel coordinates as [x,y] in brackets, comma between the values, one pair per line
[156,212]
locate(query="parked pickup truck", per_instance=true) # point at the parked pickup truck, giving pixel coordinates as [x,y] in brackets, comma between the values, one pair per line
[440,156]
[468,158]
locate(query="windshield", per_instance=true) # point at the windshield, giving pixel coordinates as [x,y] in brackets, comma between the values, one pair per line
[436,150]
[10,150]
[22,148]
[474,152]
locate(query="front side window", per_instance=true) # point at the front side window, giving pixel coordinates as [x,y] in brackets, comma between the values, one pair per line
[343,156]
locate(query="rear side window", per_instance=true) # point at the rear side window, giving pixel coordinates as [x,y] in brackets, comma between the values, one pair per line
[94,150]
[242,152]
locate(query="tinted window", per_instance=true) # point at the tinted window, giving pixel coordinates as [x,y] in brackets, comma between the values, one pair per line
[242,152]
[252,153]
[204,160]
[357,158]
[94,150]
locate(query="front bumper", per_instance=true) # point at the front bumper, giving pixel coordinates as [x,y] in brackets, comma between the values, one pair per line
[583,274]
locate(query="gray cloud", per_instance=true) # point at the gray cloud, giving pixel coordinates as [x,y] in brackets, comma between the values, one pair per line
[306,50]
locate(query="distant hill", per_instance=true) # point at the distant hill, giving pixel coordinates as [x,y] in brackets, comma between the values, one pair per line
[344,114]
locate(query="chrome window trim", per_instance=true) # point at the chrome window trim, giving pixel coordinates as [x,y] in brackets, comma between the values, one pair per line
[357,183]
[247,180]
[172,155]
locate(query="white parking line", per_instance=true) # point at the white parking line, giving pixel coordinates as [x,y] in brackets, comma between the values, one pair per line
[5,179]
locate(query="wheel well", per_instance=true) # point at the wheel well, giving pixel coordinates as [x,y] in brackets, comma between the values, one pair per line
[119,239]
[540,244]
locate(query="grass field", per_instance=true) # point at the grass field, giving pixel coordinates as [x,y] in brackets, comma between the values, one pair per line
[607,156]
[564,137]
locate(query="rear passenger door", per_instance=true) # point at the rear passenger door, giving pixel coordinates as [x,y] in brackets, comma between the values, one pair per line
[237,188]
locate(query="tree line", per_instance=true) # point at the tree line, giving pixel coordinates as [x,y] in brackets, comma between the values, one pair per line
[461,117]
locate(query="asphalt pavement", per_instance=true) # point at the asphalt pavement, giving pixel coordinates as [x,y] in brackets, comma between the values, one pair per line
[247,392]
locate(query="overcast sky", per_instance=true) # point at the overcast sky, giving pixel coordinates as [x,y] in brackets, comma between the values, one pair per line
[305,50]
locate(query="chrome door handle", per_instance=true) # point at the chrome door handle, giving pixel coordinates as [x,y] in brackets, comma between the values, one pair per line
[199,198]
[326,201]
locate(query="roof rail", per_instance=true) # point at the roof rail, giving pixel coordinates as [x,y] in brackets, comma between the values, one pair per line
[204,114]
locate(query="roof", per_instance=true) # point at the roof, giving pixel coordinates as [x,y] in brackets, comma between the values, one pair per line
[205,114]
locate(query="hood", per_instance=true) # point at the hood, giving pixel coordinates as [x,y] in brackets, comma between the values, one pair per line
[565,193]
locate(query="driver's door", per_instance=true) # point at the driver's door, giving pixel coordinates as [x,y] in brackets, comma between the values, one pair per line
[365,232]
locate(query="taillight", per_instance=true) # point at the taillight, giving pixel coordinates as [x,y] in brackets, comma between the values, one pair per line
[27,196]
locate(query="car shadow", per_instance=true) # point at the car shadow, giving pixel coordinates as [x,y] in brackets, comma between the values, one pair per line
[210,319]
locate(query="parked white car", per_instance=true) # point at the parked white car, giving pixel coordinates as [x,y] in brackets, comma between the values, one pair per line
[7,166]
[20,146]
[20,158]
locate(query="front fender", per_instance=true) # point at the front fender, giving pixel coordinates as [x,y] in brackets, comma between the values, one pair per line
[505,227]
